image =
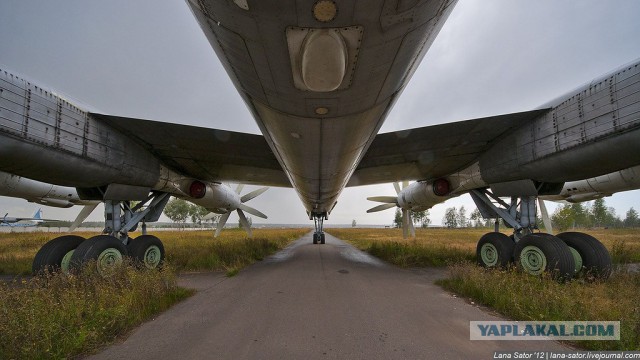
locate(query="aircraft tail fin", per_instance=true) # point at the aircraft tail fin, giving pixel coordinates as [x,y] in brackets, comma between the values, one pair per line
[38,214]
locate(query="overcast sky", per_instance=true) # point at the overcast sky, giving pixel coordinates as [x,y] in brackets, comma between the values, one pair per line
[149,59]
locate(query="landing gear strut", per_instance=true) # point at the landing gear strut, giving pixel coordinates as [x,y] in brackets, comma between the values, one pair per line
[109,249]
[318,234]
[563,256]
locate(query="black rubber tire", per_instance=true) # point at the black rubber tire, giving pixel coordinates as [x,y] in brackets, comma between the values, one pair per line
[315,238]
[559,260]
[91,249]
[138,251]
[596,260]
[49,257]
[322,238]
[503,246]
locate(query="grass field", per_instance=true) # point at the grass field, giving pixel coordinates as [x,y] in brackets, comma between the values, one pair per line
[512,293]
[439,247]
[63,316]
[60,316]
[523,297]
[185,250]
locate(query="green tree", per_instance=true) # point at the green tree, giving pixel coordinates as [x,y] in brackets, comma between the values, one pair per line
[353,223]
[631,220]
[612,219]
[197,212]
[177,210]
[476,219]
[579,215]
[462,217]
[563,218]
[421,217]
[599,213]
[397,220]
[450,218]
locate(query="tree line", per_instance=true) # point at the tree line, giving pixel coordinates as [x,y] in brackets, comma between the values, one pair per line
[594,214]
[179,211]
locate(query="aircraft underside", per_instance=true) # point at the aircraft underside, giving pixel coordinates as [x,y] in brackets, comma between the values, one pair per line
[320,78]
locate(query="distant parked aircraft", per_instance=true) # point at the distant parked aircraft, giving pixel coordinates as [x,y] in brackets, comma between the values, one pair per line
[23,222]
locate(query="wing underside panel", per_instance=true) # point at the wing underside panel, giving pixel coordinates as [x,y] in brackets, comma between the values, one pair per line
[433,151]
[205,154]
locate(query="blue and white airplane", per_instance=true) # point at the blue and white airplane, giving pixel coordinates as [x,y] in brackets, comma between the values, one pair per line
[23,222]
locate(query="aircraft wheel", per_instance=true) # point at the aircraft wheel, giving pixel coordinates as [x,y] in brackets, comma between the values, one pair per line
[540,252]
[315,238]
[56,254]
[322,238]
[147,251]
[107,251]
[594,257]
[494,250]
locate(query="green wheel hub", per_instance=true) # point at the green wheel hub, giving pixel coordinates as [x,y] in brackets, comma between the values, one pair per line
[109,259]
[489,255]
[152,257]
[533,260]
[66,259]
[577,259]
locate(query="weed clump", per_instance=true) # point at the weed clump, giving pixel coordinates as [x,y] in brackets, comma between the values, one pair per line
[56,315]
[232,251]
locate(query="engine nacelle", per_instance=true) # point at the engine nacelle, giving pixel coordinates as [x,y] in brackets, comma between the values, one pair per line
[424,195]
[218,198]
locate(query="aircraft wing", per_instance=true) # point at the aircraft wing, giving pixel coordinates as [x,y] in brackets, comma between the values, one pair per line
[205,154]
[433,151]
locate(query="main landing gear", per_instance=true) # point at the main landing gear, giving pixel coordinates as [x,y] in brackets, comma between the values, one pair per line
[563,256]
[71,252]
[318,234]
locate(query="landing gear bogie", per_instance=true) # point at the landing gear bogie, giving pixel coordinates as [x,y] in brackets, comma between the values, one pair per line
[318,238]
[318,234]
[563,256]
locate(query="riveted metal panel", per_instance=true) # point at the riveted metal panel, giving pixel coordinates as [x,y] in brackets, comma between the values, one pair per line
[525,143]
[12,103]
[595,130]
[71,128]
[546,127]
[70,151]
[628,106]
[42,116]
[236,52]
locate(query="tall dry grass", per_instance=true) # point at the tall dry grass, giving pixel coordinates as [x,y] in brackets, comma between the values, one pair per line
[520,296]
[60,316]
[199,250]
[438,247]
